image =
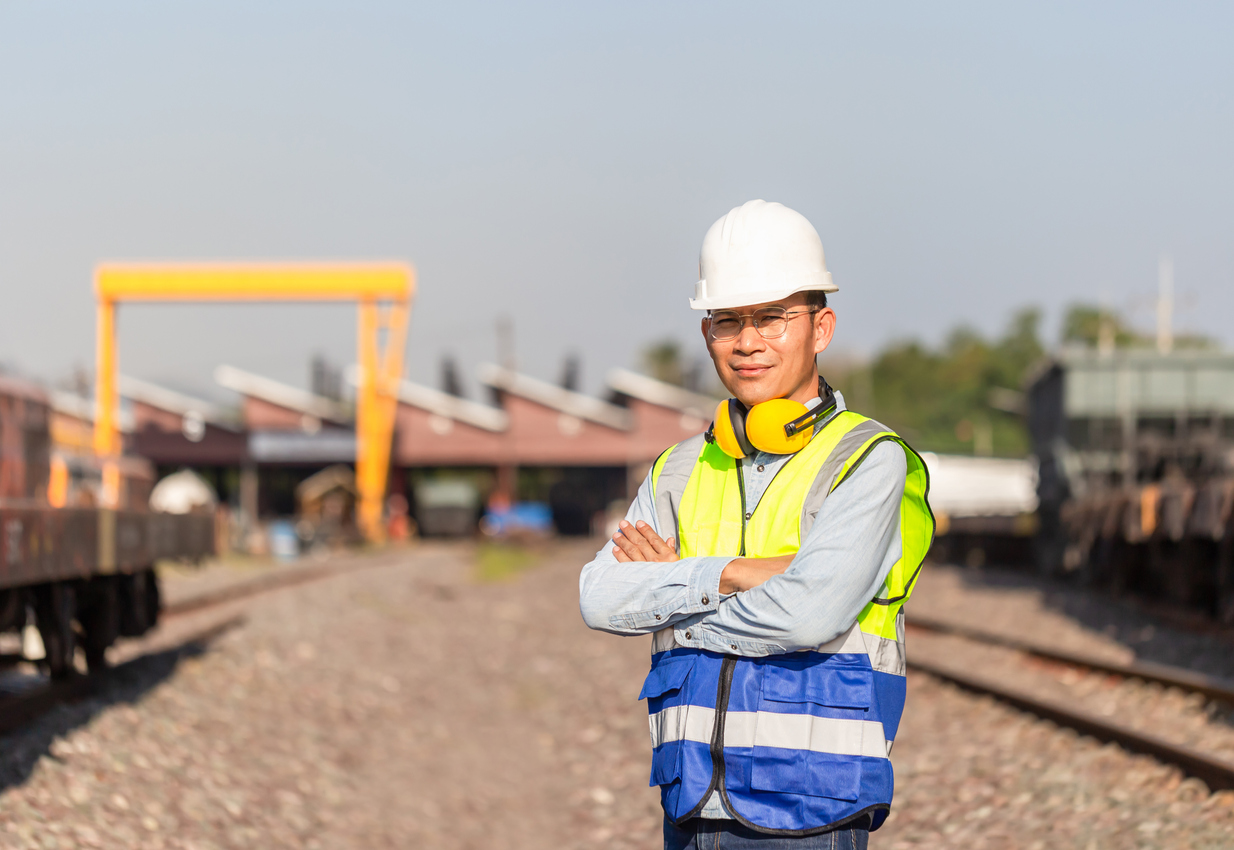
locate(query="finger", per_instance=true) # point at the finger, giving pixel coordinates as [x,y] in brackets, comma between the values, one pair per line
[622,557]
[655,541]
[628,546]
[632,533]
[672,544]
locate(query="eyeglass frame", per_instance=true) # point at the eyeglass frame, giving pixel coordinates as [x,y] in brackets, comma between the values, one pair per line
[789,314]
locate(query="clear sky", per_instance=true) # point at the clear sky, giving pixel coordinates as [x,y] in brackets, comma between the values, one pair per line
[561,163]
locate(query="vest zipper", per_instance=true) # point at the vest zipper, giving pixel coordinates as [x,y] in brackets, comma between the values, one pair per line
[741,489]
[717,735]
[725,689]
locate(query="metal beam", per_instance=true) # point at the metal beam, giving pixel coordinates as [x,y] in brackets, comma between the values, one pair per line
[381,338]
[254,281]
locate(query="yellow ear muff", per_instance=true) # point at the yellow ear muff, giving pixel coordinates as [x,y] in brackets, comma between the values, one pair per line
[729,429]
[765,426]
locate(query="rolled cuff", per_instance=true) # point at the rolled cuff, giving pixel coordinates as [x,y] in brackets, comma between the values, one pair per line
[702,637]
[702,596]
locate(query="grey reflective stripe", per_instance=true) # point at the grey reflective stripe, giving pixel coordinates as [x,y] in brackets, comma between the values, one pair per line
[837,736]
[886,655]
[664,640]
[827,473]
[671,483]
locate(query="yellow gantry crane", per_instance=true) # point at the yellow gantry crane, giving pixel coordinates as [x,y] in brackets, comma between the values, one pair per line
[383,292]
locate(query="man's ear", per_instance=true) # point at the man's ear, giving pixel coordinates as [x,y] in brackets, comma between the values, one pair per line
[824,329]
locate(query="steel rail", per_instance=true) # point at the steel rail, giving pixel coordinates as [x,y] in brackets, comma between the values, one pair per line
[18,710]
[1217,773]
[245,589]
[274,581]
[1212,687]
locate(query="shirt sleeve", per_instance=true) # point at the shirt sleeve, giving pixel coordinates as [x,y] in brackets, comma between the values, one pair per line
[641,597]
[840,567]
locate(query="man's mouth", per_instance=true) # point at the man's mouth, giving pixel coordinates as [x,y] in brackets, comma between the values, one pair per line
[749,370]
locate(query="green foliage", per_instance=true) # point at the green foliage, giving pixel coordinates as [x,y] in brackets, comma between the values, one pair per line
[496,562]
[940,400]
[1085,323]
[663,361]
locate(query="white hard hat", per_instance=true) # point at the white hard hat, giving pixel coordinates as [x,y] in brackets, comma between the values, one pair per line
[759,252]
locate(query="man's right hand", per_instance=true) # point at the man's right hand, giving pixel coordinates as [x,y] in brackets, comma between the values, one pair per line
[745,573]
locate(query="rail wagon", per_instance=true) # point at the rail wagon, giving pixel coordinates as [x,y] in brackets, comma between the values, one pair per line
[84,576]
[1136,472]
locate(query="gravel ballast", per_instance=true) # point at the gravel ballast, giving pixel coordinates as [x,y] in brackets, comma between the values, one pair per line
[414,705]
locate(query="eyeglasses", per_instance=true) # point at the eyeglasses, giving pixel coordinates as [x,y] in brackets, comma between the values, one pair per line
[770,322]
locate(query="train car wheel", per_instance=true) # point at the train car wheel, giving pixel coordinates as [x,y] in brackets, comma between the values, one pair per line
[99,619]
[55,606]
[153,598]
[132,603]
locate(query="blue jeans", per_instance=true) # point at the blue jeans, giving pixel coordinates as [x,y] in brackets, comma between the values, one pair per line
[703,834]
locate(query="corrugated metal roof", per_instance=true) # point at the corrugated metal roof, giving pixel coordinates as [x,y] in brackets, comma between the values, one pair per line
[292,398]
[172,401]
[550,395]
[452,407]
[79,407]
[653,391]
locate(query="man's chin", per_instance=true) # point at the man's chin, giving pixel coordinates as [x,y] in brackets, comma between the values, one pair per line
[752,391]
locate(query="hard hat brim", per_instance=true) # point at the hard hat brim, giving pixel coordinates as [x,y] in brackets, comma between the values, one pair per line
[745,299]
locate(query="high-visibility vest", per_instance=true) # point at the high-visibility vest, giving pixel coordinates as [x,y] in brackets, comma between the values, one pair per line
[799,742]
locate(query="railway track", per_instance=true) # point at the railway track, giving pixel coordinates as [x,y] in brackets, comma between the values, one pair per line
[18,709]
[21,708]
[1217,773]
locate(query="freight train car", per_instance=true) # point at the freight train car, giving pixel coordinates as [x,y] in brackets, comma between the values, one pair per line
[82,575]
[984,509]
[1136,472]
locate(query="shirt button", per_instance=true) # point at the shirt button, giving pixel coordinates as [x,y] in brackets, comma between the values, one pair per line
[732,646]
[657,616]
[760,467]
[750,514]
[704,600]
[687,634]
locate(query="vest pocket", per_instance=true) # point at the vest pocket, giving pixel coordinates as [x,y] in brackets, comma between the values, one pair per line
[667,675]
[824,684]
[668,715]
[810,728]
[806,774]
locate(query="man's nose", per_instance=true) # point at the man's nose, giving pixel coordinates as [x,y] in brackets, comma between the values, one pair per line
[748,340]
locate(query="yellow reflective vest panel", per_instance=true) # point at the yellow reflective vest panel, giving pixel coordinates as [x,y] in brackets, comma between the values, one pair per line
[799,742]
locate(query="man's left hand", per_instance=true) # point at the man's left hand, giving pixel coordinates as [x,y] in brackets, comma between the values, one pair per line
[639,542]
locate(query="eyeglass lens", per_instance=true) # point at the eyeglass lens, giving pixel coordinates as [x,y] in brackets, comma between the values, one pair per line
[770,322]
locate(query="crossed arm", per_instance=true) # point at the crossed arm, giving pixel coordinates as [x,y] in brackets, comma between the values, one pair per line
[752,606]
[638,541]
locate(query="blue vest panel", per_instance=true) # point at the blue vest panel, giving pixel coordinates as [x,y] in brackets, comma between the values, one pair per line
[799,743]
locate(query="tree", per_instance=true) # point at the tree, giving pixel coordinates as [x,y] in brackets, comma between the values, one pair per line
[1094,327]
[1087,324]
[662,361]
[940,400]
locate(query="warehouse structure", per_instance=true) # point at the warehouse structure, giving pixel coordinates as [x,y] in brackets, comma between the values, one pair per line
[535,442]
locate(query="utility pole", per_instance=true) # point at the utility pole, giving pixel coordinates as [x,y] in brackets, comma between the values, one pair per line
[1165,305]
[505,342]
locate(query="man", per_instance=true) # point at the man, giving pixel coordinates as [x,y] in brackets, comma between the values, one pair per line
[771,558]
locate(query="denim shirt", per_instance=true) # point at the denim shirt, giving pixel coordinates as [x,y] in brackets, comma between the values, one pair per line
[841,565]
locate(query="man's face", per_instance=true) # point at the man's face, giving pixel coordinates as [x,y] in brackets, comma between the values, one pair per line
[754,369]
